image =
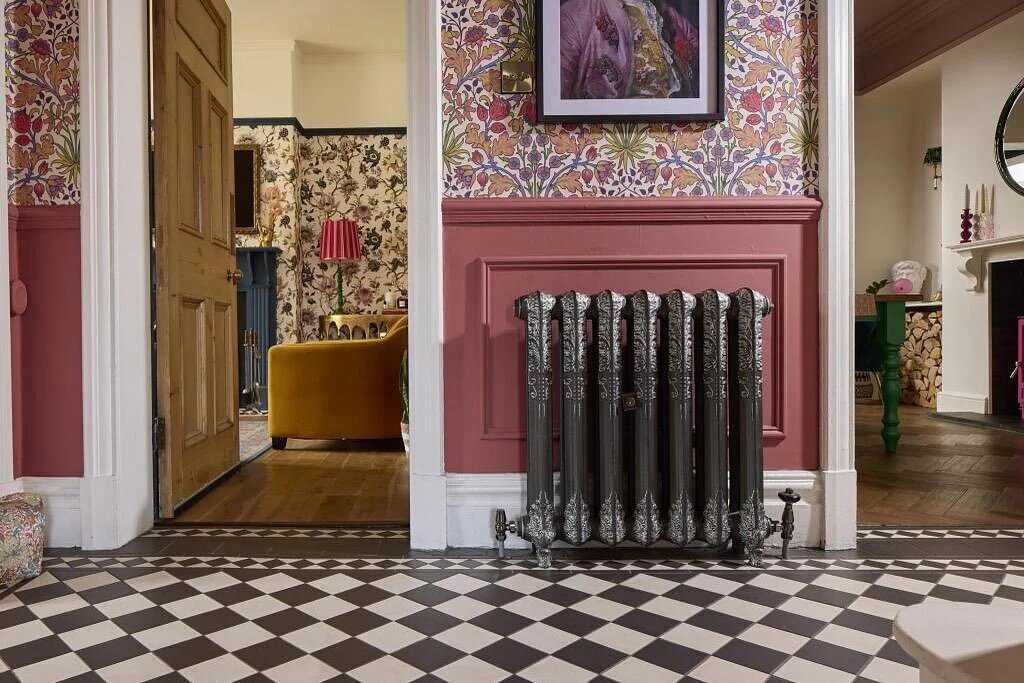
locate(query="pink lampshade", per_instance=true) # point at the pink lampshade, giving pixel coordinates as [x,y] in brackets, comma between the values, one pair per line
[339,240]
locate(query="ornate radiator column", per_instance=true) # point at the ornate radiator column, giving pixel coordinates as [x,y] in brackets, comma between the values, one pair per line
[571,312]
[539,527]
[746,448]
[677,340]
[642,315]
[612,527]
[712,473]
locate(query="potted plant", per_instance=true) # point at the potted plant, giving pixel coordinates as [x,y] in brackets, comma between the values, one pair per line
[403,384]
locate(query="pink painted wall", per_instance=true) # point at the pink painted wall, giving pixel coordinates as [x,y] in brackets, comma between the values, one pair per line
[497,249]
[47,341]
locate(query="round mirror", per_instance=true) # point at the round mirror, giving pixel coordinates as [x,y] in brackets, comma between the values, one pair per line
[1010,140]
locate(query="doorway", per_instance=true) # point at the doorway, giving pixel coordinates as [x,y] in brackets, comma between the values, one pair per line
[313,340]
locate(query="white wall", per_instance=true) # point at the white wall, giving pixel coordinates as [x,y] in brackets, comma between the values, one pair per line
[352,90]
[977,77]
[898,214]
[277,78]
[265,78]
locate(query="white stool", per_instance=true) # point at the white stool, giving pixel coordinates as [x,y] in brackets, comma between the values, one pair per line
[956,642]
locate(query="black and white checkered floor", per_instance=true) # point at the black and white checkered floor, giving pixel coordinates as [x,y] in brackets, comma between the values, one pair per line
[220,619]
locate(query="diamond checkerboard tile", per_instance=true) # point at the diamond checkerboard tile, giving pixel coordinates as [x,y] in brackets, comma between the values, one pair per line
[275,532]
[884,533]
[210,624]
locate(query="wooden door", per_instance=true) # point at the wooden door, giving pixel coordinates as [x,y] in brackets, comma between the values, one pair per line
[197,367]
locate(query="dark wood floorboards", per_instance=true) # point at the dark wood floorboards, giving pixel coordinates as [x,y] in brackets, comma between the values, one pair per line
[944,474]
[312,482]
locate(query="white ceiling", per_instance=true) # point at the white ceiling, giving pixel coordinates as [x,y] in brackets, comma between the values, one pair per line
[349,26]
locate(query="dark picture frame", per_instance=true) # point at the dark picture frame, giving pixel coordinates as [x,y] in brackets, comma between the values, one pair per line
[248,160]
[547,19]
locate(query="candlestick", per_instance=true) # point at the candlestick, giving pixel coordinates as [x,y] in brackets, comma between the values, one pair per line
[965,225]
[967,198]
[983,198]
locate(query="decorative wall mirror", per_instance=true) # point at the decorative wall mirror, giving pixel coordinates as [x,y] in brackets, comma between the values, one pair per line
[248,167]
[1010,140]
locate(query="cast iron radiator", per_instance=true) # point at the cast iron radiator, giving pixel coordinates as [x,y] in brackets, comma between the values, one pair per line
[660,420]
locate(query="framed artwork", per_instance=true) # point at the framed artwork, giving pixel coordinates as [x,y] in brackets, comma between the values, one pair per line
[248,174]
[630,60]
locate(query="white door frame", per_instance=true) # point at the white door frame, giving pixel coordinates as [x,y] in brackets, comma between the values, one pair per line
[117,489]
[835,276]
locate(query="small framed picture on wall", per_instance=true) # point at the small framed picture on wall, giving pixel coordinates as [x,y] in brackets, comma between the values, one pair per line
[630,60]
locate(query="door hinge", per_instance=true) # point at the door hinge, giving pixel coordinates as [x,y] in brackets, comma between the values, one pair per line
[159,433]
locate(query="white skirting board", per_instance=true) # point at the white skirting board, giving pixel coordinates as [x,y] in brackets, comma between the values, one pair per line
[950,402]
[61,503]
[473,499]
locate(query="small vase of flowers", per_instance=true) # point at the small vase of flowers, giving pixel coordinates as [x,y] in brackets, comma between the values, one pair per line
[403,385]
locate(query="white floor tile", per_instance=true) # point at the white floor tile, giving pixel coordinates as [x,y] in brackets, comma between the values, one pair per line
[240,636]
[224,669]
[467,637]
[620,638]
[887,671]
[632,670]
[386,669]
[315,637]
[800,670]
[52,670]
[395,607]
[391,637]
[696,638]
[851,639]
[469,669]
[87,636]
[136,670]
[398,583]
[465,608]
[171,633]
[715,670]
[460,583]
[306,669]
[554,670]
[774,638]
[545,638]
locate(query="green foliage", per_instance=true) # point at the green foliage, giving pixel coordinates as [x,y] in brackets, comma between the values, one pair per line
[403,385]
[876,286]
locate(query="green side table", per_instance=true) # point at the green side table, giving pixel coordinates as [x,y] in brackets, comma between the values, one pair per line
[892,330]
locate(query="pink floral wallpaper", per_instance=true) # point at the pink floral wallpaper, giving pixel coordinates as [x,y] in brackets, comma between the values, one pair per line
[766,146]
[41,59]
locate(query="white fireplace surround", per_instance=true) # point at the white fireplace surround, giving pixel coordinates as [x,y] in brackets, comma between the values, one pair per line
[967,321]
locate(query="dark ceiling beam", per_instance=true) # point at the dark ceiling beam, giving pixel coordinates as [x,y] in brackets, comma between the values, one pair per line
[918,30]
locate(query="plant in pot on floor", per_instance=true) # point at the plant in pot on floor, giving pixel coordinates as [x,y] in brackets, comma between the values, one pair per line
[403,384]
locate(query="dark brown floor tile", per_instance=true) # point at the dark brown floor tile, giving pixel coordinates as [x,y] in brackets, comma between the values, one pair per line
[214,620]
[285,621]
[794,623]
[590,656]
[751,655]
[646,622]
[719,622]
[185,654]
[33,651]
[348,655]
[671,656]
[573,621]
[428,655]
[263,656]
[68,621]
[834,656]
[509,655]
[826,596]
[429,622]
[357,621]
[430,595]
[111,652]
[144,619]
[892,651]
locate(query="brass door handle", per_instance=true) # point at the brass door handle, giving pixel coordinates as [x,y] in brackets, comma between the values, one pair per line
[234,276]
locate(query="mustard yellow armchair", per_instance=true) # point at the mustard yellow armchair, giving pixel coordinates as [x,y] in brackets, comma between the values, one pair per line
[336,389]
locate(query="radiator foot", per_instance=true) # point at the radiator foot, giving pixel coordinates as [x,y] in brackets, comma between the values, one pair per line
[789,498]
[544,557]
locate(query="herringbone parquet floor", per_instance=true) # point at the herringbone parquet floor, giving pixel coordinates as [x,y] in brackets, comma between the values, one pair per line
[943,473]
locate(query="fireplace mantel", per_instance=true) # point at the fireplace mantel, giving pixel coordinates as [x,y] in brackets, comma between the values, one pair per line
[974,256]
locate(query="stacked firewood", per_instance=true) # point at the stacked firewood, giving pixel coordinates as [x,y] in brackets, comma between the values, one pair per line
[921,358]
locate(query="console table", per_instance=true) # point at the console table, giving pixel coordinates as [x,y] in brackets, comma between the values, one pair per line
[357,325]
[892,330]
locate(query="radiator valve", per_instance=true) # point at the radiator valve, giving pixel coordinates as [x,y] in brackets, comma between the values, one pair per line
[789,498]
[503,527]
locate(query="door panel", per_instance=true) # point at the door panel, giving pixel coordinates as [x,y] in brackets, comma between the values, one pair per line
[197,367]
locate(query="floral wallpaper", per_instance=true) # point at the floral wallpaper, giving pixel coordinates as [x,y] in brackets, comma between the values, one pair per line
[41,59]
[362,177]
[766,146]
[279,201]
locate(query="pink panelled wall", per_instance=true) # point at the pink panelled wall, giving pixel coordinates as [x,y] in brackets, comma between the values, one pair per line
[46,340]
[497,249]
